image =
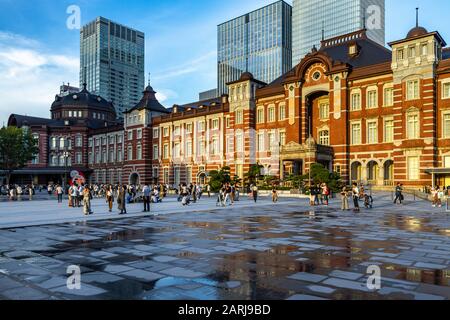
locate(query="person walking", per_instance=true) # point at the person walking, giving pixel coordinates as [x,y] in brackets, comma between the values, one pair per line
[30,192]
[344,199]
[146,196]
[274,194]
[121,197]
[208,190]
[194,193]
[255,193]
[110,197]
[398,194]
[59,193]
[440,197]
[325,194]
[87,201]
[355,192]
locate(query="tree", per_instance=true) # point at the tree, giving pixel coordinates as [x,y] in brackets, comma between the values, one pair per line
[218,178]
[253,173]
[17,148]
[320,174]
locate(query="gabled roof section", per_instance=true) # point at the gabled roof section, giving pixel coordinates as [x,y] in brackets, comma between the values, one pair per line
[149,102]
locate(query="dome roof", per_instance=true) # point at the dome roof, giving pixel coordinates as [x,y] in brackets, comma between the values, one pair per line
[417,32]
[85,99]
[149,102]
[246,76]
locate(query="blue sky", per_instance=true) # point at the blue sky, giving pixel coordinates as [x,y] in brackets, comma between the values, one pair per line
[38,52]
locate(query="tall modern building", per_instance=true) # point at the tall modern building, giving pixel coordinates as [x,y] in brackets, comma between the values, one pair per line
[112,62]
[334,18]
[259,42]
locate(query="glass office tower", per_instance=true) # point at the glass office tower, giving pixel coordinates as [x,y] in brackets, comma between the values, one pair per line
[112,62]
[259,42]
[335,17]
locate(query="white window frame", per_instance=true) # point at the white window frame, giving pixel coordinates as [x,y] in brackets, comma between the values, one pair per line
[385,102]
[260,115]
[271,114]
[411,93]
[446,86]
[372,98]
[372,139]
[324,140]
[385,136]
[282,112]
[357,106]
[324,110]
[409,135]
[239,116]
[445,132]
[352,137]
[415,175]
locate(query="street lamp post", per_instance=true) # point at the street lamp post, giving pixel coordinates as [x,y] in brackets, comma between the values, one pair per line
[66,156]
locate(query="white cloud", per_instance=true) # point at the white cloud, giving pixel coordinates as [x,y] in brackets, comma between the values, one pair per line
[164,95]
[30,76]
[193,66]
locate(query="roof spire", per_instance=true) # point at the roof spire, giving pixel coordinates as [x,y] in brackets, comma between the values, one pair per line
[149,78]
[364,21]
[417,17]
[323,31]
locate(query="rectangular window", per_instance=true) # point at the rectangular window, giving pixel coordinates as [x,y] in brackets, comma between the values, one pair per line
[189,148]
[282,112]
[176,131]
[239,143]
[139,133]
[155,152]
[272,142]
[413,168]
[372,99]
[78,158]
[201,126]
[324,137]
[239,117]
[155,133]
[412,90]
[227,122]
[166,131]
[166,151]
[446,162]
[413,126]
[324,111]
[356,101]
[230,145]
[139,152]
[215,124]
[260,115]
[424,49]
[189,128]
[201,147]
[400,55]
[356,133]
[176,150]
[388,97]
[446,90]
[215,146]
[388,130]
[372,132]
[271,115]
[446,125]
[260,142]
[283,138]
[412,52]
[130,135]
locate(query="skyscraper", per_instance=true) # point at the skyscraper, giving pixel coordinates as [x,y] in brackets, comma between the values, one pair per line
[335,18]
[112,62]
[259,42]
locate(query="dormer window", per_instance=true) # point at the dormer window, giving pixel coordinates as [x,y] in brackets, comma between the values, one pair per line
[353,49]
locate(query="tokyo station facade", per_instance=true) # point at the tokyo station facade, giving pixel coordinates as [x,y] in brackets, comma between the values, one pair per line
[369,113]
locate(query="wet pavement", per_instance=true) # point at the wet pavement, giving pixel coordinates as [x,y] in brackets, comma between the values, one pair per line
[280,251]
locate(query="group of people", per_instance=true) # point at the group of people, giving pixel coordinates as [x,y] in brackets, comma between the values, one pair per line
[357,193]
[319,194]
[17,192]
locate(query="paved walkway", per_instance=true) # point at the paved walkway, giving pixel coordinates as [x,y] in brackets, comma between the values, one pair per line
[263,251]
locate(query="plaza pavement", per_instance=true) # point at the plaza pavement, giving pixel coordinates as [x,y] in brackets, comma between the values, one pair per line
[264,251]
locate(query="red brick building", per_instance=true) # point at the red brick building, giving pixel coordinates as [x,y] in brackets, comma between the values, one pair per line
[371,114]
